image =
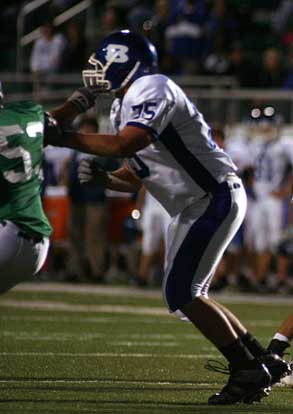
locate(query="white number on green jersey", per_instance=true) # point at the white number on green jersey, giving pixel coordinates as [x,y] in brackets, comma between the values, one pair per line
[18,151]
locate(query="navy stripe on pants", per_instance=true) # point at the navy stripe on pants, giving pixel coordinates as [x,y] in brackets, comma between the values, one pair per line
[187,259]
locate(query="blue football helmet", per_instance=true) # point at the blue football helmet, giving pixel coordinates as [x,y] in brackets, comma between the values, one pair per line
[121,58]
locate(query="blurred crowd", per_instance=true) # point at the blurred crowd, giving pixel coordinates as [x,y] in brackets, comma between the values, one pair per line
[250,40]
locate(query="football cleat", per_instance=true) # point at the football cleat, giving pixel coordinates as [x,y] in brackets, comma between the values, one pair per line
[244,385]
[288,379]
[277,366]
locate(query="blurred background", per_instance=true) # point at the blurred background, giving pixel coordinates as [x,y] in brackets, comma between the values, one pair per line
[234,59]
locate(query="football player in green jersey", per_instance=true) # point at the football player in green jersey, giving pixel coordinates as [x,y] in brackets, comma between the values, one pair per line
[24,228]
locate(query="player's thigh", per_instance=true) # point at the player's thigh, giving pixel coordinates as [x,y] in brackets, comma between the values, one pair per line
[199,245]
[20,259]
[180,238]
[9,242]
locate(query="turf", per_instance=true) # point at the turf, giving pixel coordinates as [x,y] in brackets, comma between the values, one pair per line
[103,351]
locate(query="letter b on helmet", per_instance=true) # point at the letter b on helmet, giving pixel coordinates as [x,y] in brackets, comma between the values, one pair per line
[116,53]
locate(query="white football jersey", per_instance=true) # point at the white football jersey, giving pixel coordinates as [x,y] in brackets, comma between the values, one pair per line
[240,151]
[183,163]
[273,164]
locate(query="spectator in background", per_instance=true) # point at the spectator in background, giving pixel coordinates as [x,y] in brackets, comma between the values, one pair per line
[185,36]
[47,55]
[217,61]
[222,31]
[113,18]
[88,219]
[155,29]
[288,81]
[76,49]
[140,13]
[282,21]
[242,68]
[272,73]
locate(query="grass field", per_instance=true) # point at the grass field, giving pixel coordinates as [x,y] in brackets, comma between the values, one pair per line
[88,349]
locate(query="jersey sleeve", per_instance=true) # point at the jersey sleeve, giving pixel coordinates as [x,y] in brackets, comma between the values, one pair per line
[149,104]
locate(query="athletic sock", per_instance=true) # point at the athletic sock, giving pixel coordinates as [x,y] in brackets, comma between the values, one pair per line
[278,344]
[237,354]
[252,344]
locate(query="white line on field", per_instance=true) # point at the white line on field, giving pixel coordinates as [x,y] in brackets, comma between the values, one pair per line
[82,319]
[54,336]
[89,335]
[103,381]
[114,319]
[109,354]
[149,343]
[68,307]
[125,291]
[165,340]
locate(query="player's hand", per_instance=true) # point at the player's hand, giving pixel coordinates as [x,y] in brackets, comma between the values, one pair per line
[85,98]
[89,172]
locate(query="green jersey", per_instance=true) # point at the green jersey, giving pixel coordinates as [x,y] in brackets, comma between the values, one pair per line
[21,155]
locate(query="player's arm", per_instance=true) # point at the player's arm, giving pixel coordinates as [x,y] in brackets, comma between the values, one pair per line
[125,144]
[122,179]
[59,119]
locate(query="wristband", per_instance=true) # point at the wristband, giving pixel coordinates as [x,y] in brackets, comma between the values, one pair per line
[83,99]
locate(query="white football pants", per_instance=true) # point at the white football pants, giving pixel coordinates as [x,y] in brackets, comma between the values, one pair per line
[20,258]
[197,239]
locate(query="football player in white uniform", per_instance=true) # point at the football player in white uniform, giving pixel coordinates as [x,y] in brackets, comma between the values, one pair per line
[168,148]
[272,185]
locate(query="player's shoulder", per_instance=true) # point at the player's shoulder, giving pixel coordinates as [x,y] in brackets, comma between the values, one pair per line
[150,87]
[23,105]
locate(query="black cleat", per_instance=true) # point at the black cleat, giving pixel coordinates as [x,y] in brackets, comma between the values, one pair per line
[244,385]
[277,366]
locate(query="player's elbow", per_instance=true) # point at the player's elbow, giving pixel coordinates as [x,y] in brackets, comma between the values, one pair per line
[124,149]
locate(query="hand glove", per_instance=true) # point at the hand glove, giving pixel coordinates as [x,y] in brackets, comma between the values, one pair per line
[89,172]
[84,98]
